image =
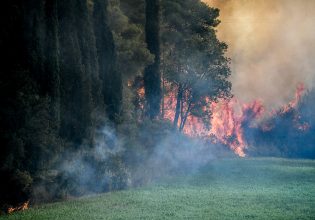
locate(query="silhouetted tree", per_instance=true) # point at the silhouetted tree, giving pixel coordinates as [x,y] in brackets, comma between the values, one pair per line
[152,76]
[112,80]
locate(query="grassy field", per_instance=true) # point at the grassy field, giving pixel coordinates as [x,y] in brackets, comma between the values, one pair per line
[224,189]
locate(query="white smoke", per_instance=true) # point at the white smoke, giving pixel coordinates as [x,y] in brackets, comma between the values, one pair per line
[271,44]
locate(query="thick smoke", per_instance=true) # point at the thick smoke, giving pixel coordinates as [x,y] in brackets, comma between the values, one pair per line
[271,44]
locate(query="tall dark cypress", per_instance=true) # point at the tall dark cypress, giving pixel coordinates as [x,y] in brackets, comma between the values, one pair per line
[152,76]
[52,59]
[26,132]
[74,97]
[86,40]
[89,53]
[13,76]
[111,78]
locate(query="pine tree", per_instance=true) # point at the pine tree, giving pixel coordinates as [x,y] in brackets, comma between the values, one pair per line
[193,58]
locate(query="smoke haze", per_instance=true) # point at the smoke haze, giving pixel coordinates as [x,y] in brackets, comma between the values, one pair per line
[272,47]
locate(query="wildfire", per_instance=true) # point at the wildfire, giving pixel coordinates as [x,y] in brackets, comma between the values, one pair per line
[300,89]
[22,207]
[228,119]
[226,123]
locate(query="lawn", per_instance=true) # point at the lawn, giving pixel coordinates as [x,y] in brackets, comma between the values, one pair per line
[224,189]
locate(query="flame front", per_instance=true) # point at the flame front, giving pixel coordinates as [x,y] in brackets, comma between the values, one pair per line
[226,125]
[228,119]
[22,207]
[300,89]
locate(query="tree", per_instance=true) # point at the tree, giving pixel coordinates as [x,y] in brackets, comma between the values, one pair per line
[132,53]
[29,93]
[106,51]
[75,84]
[194,61]
[152,76]
[52,58]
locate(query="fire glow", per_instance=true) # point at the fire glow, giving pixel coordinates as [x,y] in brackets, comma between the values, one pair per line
[22,207]
[227,118]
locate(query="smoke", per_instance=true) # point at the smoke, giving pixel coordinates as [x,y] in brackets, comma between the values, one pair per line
[85,170]
[271,44]
[115,162]
[178,154]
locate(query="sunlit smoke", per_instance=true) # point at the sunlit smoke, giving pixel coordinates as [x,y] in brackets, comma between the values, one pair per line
[271,44]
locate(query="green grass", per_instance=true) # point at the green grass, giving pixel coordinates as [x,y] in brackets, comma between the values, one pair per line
[225,189]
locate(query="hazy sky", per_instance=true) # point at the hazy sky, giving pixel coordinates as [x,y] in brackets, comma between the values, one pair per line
[272,46]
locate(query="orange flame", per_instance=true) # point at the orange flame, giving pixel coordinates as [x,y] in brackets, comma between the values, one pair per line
[22,207]
[226,122]
[227,117]
[226,126]
[300,89]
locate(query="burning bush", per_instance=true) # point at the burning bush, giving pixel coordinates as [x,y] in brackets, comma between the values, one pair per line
[288,132]
[15,189]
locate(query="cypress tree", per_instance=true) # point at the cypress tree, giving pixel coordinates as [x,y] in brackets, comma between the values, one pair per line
[13,64]
[111,78]
[75,107]
[152,76]
[27,134]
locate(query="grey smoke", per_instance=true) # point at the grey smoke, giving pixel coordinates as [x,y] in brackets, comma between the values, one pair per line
[271,44]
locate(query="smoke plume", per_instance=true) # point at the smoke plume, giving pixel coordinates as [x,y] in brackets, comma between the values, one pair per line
[271,44]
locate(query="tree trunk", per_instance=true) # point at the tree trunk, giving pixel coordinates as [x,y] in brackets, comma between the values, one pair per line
[178,105]
[184,118]
[163,94]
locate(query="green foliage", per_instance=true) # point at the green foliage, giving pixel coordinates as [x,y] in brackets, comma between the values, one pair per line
[132,54]
[107,60]
[67,71]
[193,58]
[134,10]
[117,173]
[142,139]
[52,86]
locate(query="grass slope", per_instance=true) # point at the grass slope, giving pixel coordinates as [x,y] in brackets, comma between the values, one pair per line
[225,189]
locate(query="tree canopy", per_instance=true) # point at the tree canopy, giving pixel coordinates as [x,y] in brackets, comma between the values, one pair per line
[193,58]
[74,76]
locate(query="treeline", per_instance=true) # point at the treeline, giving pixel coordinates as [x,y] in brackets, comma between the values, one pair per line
[58,82]
[72,119]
